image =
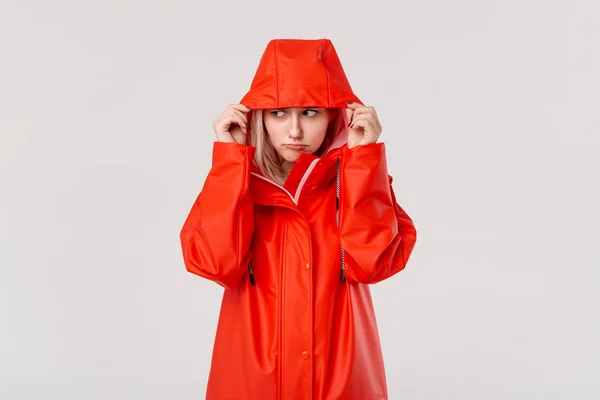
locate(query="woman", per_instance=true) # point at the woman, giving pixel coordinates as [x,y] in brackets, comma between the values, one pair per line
[296,217]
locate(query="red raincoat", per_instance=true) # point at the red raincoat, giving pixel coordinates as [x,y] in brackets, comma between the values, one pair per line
[292,324]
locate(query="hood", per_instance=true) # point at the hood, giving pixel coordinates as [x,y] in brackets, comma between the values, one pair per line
[301,73]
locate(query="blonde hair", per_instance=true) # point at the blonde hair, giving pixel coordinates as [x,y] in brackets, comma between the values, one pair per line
[266,157]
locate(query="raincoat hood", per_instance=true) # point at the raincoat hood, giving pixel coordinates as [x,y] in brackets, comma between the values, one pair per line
[299,73]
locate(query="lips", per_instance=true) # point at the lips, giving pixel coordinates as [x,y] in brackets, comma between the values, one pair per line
[296,146]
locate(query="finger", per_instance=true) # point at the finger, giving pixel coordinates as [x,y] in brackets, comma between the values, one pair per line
[371,130]
[376,118]
[364,110]
[366,122]
[351,107]
[358,120]
[360,109]
[238,121]
[349,112]
[365,131]
[360,112]
[352,104]
[228,119]
[239,136]
[239,114]
[240,107]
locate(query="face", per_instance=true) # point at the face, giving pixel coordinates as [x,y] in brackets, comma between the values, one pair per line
[296,130]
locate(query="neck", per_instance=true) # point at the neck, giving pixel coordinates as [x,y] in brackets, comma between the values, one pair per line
[287,167]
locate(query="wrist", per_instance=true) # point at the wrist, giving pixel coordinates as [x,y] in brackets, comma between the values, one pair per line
[363,144]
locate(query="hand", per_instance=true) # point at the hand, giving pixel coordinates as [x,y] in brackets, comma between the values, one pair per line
[232,125]
[364,125]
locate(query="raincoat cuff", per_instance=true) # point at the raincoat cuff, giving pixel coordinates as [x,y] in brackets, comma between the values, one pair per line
[232,152]
[366,149]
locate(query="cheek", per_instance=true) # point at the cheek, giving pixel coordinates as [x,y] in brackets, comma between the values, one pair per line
[317,134]
[321,128]
[273,131]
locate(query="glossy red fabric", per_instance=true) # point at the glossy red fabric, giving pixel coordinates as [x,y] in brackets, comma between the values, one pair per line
[297,73]
[298,332]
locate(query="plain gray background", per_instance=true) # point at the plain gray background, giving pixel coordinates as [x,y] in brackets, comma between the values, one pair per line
[491,116]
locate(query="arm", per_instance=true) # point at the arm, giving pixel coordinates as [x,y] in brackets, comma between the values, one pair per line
[216,235]
[375,232]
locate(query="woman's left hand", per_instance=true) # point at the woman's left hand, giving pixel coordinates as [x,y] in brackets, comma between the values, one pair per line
[364,125]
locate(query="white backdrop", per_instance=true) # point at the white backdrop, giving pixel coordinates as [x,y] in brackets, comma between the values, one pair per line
[491,116]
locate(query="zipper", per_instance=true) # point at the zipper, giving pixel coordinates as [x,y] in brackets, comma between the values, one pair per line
[337,213]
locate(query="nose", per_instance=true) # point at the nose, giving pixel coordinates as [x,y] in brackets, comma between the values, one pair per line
[295,129]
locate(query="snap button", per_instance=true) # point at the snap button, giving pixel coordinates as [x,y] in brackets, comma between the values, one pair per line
[307,266]
[305,355]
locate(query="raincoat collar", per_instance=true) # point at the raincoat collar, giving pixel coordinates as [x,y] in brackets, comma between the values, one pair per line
[308,174]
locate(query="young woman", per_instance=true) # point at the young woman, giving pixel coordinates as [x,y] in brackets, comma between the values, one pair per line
[296,218]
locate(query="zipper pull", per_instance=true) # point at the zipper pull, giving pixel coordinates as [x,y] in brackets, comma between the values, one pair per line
[250,274]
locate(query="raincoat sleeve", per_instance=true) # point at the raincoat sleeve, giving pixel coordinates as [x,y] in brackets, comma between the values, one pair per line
[375,232]
[217,233]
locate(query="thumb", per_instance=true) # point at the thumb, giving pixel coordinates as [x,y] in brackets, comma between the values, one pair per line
[239,136]
[349,113]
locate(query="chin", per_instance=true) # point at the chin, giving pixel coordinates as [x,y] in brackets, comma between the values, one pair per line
[291,158]
[290,155]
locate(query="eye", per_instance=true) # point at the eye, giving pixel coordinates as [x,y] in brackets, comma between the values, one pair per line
[309,111]
[275,112]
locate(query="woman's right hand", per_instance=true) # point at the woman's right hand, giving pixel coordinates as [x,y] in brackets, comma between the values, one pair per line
[232,125]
